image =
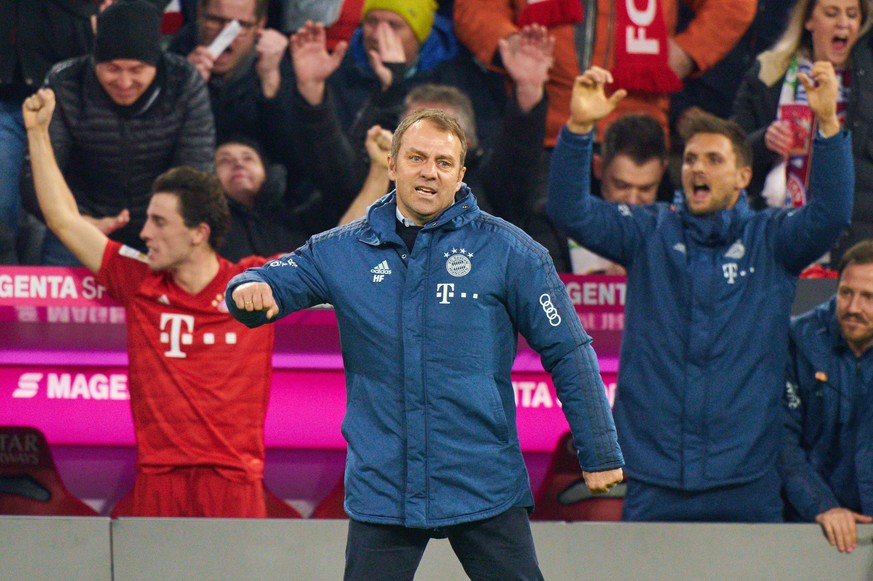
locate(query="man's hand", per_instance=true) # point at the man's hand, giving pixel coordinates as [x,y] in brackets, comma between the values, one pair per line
[600,482]
[821,93]
[589,102]
[778,137]
[840,528]
[378,144]
[255,296]
[203,61]
[527,58]
[270,47]
[56,200]
[38,108]
[312,63]
[109,224]
[389,49]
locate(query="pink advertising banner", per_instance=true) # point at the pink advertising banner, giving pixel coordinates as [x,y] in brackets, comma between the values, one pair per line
[63,364]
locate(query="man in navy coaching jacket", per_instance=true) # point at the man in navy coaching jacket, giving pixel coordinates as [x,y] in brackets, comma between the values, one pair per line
[827,452]
[430,293]
[710,288]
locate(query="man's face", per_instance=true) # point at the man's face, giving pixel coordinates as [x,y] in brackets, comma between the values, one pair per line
[834,26]
[392,23]
[855,306]
[711,179]
[427,171]
[125,80]
[168,240]
[213,18]
[240,170]
[624,181]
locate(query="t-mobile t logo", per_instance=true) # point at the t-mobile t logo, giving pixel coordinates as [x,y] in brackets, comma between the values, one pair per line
[445,291]
[174,335]
[730,271]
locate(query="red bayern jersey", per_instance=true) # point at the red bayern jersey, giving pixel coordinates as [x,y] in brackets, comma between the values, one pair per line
[199,380]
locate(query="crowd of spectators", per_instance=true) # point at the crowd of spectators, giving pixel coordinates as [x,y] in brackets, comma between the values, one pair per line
[292,104]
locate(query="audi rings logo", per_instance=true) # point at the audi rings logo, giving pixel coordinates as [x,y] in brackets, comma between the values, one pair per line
[550,310]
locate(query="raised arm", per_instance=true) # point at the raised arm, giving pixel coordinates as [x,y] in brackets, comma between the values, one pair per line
[510,176]
[804,235]
[614,231]
[56,200]
[313,64]
[333,162]
[376,185]
[589,102]
[527,62]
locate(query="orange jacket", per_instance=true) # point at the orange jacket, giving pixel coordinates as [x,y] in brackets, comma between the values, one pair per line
[716,28]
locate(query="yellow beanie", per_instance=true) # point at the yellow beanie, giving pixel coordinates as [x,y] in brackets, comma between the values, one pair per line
[418,14]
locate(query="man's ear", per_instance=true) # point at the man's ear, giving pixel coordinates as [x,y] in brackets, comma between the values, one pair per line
[392,169]
[201,233]
[745,176]
[597,166]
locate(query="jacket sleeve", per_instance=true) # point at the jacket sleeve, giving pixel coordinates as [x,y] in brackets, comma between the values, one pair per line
[541,308]
[804,234]
[294,279]
[480,24]
[510,173]
[614,231]
[335,166]
[804,487]
[716,27]
[275,122]
[195,146]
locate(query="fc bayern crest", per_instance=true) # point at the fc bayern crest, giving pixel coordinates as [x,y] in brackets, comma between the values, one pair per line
[458,262]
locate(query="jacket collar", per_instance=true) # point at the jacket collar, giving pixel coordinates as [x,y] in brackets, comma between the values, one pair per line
[379,224]
[713,229]
[827,314]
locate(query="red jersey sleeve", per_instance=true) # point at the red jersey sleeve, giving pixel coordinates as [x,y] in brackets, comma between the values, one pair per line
[122,271]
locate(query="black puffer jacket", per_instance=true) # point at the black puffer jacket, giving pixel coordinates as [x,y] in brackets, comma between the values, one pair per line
[110,157]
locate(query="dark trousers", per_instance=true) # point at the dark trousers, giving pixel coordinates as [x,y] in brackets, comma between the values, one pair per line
[756,501]
[500,547]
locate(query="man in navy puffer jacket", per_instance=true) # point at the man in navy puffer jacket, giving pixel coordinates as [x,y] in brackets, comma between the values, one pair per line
[430,294]
[827,452]
[710,288]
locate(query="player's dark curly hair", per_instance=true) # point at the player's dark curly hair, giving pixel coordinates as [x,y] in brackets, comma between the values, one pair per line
[201,200]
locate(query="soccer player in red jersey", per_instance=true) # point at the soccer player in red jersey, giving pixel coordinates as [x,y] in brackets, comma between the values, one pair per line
[199,381]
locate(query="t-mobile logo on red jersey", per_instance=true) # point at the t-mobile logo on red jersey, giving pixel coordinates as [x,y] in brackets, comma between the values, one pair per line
[178,330]
[176,337]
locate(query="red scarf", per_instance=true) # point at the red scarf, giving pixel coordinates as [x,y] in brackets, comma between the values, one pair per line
[550,12]
[641,48]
